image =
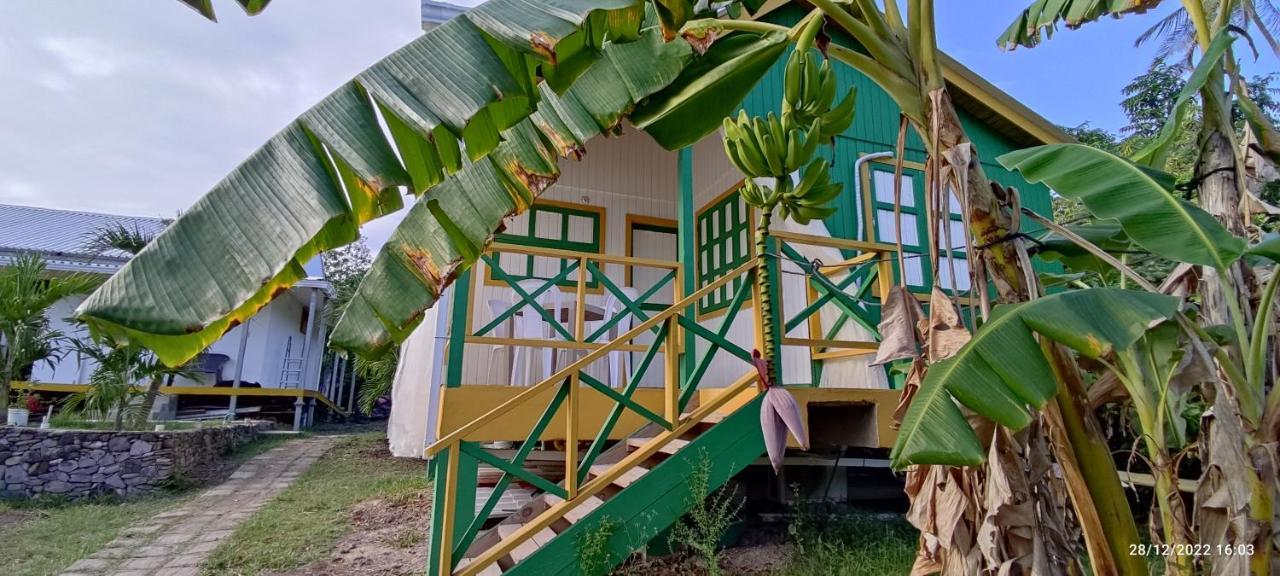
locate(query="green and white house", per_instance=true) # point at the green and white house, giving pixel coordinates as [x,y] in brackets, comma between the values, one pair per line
[621,237]
[577,312]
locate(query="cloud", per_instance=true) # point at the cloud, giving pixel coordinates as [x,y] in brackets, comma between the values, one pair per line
[17,191]
[83,56]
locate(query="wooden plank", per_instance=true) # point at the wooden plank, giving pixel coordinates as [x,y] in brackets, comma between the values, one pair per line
[671,447]
[548,343]
[820,343]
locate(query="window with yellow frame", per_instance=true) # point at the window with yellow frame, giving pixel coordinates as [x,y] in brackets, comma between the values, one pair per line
[554,225]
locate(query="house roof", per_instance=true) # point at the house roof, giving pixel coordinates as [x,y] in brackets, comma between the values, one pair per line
[975,95]
[65,233]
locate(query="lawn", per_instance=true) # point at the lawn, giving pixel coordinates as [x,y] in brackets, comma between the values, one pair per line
[43,536]
[302,524]
[854,544]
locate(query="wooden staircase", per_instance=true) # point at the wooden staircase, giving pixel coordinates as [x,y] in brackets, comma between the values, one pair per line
[640,489]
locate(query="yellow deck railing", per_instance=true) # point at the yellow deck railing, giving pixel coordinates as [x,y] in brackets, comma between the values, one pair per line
[671,329]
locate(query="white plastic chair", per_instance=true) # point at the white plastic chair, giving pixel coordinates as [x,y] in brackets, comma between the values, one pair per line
[619,360]
[530,325]
[504,330]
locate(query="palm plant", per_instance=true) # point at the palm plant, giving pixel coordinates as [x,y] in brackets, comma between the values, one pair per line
[118,237]
[113,390]
[27,290]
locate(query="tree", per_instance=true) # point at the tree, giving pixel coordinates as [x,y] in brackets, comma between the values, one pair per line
[112,386]
[27,290]
[346,267]
[130,240]
[1227,283]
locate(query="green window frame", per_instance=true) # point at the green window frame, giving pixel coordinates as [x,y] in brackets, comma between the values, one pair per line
[724,242]
[915,246]
[564,214]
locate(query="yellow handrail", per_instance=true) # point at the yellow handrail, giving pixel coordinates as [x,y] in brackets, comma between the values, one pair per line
[463,431]
[573,255]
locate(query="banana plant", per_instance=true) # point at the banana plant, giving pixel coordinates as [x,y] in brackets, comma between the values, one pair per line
[771,151]
[1237,487]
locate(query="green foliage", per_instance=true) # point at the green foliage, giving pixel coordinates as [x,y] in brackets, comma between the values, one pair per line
[1137,197]
[710,516]
[1002,369]
[113,388]
[130,240]
[593,548]
[851,543]
[27,290]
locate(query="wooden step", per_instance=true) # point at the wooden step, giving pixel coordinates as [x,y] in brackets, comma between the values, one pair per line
[522,550]
[578,512]
[625,479]
[671,447]
[490,570]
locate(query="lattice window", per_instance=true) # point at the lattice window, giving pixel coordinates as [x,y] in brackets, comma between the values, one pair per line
[561,226]
[724,243]
[915,230]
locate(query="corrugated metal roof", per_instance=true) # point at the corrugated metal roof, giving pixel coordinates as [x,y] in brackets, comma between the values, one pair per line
[63,232]
[436,13]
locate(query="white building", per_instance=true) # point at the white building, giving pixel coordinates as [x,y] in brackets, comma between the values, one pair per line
[276,355]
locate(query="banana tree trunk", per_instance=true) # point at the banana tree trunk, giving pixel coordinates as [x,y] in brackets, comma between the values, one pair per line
[1097,496]
[1235,447]
[762,285]
[149,400]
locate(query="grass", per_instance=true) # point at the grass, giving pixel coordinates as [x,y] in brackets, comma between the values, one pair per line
[302,524]
[854,544]
[45,535]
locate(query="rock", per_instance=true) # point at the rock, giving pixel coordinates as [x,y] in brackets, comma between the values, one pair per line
[57,487]
[67,465]
[118,444]
[10,461]
[87,462]
[106,460]
[14,474]
[139,448]
[115,481]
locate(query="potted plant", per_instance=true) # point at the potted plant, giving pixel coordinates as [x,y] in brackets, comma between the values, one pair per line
[19,412]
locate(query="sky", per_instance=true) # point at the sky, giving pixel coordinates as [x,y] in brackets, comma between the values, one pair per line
[139,107]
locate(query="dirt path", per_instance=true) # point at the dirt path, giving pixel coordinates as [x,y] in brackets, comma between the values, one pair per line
[174,543]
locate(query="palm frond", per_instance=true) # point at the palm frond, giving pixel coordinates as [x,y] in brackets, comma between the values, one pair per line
[118,237]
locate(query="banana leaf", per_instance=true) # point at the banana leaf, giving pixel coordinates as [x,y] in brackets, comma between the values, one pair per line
[1002,370]
[447,98]
[1156,151]
[1114,188]
[433,244]
[1040,20]
[709,89]
[205,7]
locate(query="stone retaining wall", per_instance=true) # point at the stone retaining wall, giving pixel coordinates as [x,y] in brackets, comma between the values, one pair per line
[79,463]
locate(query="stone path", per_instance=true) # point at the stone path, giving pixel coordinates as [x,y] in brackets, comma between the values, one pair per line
[176,542]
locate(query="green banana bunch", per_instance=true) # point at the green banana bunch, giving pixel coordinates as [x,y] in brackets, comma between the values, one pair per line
[807,200]
[770,146]
[809,91]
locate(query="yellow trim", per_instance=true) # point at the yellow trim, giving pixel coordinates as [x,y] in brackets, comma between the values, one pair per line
[604,237]
[193,391]
[463,432]
[969,82]
[631,221]
[469,402]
